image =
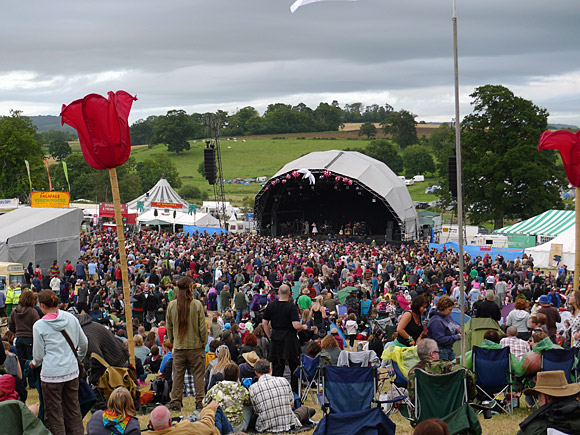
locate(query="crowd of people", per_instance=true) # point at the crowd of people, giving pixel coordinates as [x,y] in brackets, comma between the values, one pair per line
[225,318]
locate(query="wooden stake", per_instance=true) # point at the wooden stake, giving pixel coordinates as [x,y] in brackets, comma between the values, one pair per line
[577,250]
[123,258]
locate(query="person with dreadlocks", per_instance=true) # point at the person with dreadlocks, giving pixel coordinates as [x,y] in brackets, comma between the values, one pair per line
[187,330]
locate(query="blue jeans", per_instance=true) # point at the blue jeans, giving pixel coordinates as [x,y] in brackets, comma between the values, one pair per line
[222,423]
[446,353]
[239,314]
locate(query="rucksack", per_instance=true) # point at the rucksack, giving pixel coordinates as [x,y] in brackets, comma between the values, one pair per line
[116,377]
[161,389]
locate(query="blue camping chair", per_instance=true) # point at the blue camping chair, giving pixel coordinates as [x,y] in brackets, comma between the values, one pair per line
[342,310]
[558,359]
[347,396]
[398,390]
[308,374]
[494,376]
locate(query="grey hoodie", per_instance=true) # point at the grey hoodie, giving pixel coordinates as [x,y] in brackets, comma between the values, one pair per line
[50,348]
[519,319]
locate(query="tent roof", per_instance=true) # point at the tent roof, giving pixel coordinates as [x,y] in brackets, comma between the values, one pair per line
[374,174]
[161,192]
[25,219]
[549,223]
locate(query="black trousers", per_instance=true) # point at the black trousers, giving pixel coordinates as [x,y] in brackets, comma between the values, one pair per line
[278,367]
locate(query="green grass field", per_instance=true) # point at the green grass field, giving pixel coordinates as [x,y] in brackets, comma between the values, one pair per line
[250,159]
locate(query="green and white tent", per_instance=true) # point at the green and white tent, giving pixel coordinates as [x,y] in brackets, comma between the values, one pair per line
[549,223]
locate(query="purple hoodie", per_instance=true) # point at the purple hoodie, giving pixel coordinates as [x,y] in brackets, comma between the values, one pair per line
[442,329]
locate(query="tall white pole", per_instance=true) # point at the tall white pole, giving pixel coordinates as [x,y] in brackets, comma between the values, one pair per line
[459,184]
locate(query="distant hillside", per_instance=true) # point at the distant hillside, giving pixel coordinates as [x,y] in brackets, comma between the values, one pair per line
[45,123]
[562,127]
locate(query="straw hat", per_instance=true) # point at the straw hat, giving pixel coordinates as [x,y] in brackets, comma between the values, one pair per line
[251,357]
[554,384]
[305,291]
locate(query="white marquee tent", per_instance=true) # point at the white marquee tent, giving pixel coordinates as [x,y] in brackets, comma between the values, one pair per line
[161,192]
[541,253]
[40,235]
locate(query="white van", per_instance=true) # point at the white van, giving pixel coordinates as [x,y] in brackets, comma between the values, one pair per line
[419,178]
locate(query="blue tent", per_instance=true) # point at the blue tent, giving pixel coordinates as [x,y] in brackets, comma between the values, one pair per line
[456,316]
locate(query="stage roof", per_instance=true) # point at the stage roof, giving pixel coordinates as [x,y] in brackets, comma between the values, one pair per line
[375,175]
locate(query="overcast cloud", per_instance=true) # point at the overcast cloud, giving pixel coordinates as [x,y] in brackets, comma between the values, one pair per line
[204,55]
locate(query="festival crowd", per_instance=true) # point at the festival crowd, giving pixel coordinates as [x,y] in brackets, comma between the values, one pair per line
[224,319]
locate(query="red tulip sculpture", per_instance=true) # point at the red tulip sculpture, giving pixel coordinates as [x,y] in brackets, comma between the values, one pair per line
[568,144]
[103,128]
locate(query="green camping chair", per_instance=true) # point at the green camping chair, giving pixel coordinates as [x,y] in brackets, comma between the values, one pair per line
[444,396]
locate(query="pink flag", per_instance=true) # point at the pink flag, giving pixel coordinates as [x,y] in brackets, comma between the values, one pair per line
[299,3]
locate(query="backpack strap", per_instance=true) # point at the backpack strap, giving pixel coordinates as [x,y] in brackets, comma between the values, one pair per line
[100,359]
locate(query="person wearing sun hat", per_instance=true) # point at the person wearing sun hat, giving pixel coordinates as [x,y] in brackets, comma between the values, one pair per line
[559,407]
[247,368]
[304,301]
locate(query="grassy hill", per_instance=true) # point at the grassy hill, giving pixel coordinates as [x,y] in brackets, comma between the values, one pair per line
[250,159]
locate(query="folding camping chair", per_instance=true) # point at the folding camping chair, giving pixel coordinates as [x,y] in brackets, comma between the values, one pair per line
[444,396]
[348,394]
[308,374]
[397,395]
[559,359]
[342,310]
[494,376]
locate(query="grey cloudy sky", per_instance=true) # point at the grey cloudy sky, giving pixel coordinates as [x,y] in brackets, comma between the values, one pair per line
[203,55]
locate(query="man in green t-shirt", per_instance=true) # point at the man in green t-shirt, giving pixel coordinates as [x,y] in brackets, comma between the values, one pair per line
[304,301]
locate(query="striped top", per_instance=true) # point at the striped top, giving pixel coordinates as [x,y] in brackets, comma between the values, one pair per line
[549,223]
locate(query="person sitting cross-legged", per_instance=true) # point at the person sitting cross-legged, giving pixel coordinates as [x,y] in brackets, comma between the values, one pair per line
[428,353]
[272,401]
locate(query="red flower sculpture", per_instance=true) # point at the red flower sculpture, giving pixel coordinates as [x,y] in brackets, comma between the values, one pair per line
[568,144]
[102,126]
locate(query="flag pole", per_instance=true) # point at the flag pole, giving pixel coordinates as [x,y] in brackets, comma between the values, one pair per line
[459,184]
[123,258]
[577,251]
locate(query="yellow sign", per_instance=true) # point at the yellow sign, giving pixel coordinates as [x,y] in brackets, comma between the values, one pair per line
[50,199]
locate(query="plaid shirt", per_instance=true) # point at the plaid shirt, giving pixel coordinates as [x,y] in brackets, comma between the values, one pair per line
[518,347]
[188,385]
[272,400]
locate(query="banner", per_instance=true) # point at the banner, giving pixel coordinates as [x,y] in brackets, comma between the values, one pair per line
[107,209]
[28,170]
[50,199]
[192,209]
[299,3]
[48,172]
[166,205]
[140,205]
[65,170]
[8,204]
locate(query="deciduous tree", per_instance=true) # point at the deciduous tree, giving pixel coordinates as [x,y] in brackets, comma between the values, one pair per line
[368,129]
[504,175]
[417,159]
[401,126]
[384,151]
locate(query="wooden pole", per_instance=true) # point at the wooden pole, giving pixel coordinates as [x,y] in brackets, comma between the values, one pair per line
[577,251]
[123,258]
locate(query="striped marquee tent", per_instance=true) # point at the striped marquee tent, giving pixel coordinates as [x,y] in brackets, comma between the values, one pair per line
[549,223]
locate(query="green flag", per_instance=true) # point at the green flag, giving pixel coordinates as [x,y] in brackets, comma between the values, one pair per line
[140,205]
[65,169]
[192,209]
[28,170]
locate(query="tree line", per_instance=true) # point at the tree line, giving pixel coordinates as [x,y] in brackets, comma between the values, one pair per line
[504,175]
[177,127]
